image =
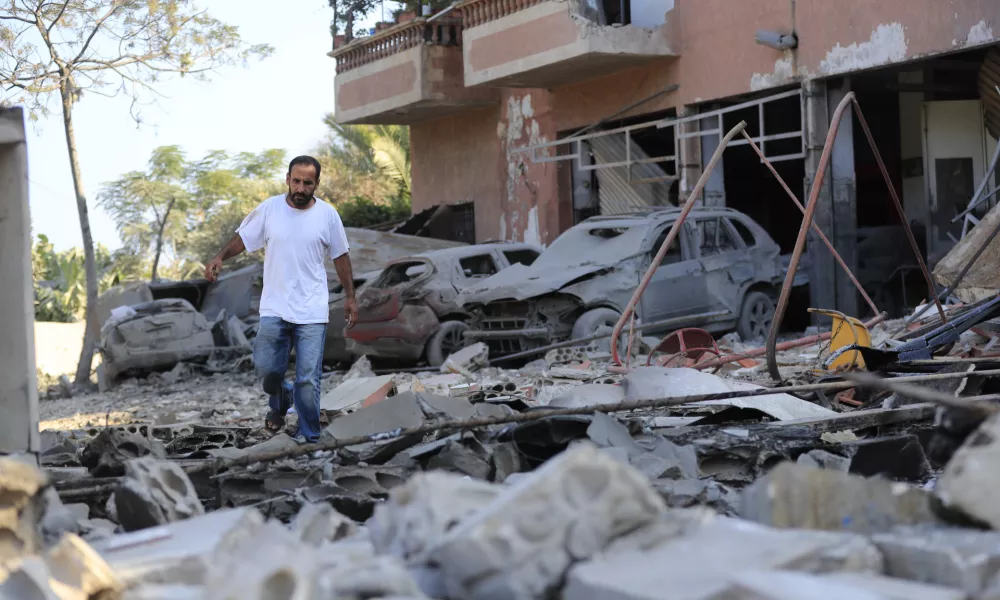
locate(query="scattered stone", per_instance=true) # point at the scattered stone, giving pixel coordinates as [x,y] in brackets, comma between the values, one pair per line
[568,510]
[800,496]
[319,523]
[788,585]
[700,564]
[155,492]
[71,570]
[106,454]
[456,457]
[361,368]
[468,359]
[65,387]
[970,482]
[899,457]
[960,558]
[506,461]
[589,394]
[58,518]
[686,493]
[821,459]
[22,506]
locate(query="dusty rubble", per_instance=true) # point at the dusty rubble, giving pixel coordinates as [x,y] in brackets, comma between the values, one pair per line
[473,481]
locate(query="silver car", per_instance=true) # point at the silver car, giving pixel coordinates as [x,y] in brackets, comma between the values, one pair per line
[721,273]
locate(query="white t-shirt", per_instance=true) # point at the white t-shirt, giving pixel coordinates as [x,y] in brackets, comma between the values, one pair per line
[296,243]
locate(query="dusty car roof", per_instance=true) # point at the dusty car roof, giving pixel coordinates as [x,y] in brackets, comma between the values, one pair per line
[447,254]
[656,214]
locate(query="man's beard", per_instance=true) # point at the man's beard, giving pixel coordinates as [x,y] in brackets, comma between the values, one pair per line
[300,200]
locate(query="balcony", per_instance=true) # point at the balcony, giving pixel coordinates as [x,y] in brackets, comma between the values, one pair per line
[547,43]
[405,74]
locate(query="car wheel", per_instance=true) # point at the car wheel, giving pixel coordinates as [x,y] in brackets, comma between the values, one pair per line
[593,320]
[755,316]
[447,340]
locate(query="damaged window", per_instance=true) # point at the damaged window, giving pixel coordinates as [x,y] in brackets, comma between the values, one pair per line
[714,237]
[401,273]
[478,266]
[524,257]
[673,254]
[745,233]
[339,288]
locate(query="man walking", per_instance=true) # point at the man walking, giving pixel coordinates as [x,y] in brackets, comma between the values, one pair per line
[297,231]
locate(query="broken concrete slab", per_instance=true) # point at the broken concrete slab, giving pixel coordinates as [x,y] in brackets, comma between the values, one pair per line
[181,552]
[789,585]
[519,545]
[319,523]
[800,496]
[419,513]
[960,558]
[970,482]
[589,394]
[821,459]
[456,457]
[59,519]
[650,383]
[468,359]
[686,493]
[899,457]
[700,564]
[357,392]
[660,459]
[361,368]
[155,492]
[106,454]
[76,569]
[22,506]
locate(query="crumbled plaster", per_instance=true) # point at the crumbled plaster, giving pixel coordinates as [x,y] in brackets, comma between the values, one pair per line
[531,235]
[784,71]
[887,44]
[519,123]
[980,33]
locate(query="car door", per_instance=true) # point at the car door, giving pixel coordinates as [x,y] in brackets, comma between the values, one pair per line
[677,286]
[724,257]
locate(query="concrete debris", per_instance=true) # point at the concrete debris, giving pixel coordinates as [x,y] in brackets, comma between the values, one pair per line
[107,453]
[461,483]
[467,360]
[22,506]
[800,496]
[969,481]
[155,492]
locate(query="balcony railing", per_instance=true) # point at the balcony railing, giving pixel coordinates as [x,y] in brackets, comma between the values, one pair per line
[478,12]
[445,31]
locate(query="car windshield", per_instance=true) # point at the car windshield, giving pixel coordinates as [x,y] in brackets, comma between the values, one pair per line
[599,243]
[403,272]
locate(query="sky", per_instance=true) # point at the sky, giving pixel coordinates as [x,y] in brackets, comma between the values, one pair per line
[279,102]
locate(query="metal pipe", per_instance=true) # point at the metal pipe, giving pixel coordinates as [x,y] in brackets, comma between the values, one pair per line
[671,235]
[973,207]
[800,241]
[701,317]
[976,200]
[899,207]
[815,227]
[806,341]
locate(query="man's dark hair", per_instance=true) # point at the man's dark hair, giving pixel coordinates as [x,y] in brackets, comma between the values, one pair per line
[305,161]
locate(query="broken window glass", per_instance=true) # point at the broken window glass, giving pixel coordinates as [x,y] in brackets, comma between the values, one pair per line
[401,273]
[524,257]
[481,265]
[744,232]
[673,254]
[714,237]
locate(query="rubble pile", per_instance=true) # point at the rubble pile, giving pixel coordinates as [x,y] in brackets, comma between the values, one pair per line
[569,477]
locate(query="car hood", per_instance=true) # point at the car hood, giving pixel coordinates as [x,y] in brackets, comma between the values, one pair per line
[520,282]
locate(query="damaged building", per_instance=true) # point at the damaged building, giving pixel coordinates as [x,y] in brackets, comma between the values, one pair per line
[579,108]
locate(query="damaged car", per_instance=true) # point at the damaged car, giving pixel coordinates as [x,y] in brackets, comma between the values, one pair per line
[722,272]
[410,311]
[335,349]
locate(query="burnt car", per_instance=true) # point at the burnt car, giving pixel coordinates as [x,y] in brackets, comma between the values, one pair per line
[721,273]
[335,350]
[409,312]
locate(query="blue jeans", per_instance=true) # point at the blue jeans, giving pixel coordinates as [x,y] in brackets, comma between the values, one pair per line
[271,351]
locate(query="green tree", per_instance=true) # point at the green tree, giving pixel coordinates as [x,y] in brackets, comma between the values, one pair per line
[67,48]
[150,209]
[373,151]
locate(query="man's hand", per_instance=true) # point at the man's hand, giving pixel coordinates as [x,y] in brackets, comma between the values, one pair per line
[212,269]
[351,311]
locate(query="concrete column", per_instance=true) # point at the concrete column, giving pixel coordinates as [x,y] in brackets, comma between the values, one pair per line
[688,152]
[845,200]
[822,278]
[715,187]
[18,387]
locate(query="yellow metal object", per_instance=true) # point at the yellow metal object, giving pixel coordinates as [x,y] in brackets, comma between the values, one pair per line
[847,331]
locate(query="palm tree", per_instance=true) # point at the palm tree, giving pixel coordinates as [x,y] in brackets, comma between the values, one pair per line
[381,151]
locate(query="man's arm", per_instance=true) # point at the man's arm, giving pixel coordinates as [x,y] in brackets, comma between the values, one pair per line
[344,271]
[233,247]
